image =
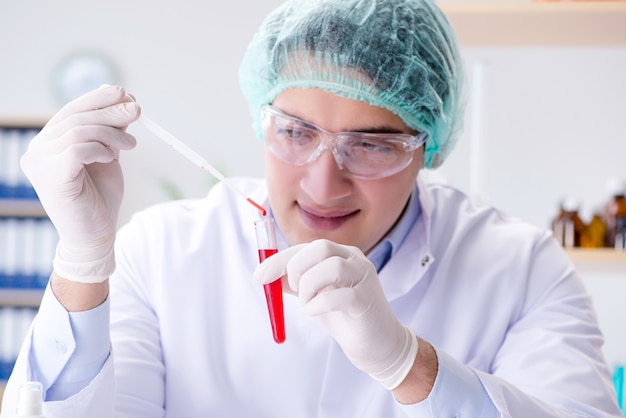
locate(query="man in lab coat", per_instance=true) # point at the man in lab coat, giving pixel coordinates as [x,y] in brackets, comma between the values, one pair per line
[401,298]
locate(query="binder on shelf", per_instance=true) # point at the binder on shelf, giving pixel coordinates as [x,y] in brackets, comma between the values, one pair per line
[14,325]
[27,247]
[13,144]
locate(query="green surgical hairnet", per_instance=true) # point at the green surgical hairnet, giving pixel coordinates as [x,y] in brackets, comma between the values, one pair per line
[401,55]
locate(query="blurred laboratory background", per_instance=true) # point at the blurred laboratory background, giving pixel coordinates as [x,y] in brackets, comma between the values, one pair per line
[545,120]
[546,115]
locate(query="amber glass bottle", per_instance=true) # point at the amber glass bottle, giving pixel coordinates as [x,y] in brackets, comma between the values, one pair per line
[594,233]
[615,216]
[567,226]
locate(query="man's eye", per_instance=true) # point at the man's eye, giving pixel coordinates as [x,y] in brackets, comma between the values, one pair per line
[285,132]
[373,146]
[295,134]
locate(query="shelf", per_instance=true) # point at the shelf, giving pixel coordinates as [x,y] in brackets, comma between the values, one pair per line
[20,122]
[21,297]
[538,23]
[598,259]
[21,208]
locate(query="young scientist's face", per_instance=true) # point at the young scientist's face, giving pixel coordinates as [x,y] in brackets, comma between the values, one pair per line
[318,199]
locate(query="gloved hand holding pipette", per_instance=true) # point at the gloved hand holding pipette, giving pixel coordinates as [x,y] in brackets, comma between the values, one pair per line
[339,286]
[73,165]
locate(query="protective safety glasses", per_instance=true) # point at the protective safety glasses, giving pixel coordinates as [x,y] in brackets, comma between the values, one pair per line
[363,155]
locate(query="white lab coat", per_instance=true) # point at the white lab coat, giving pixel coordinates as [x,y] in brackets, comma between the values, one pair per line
[497,297]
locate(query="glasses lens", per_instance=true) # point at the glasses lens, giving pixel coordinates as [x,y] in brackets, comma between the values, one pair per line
[289,139]
[371,156]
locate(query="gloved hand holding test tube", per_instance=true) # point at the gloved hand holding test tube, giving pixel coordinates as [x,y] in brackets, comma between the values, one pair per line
[266,242]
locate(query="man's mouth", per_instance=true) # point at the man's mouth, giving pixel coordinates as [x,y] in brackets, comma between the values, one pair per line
[326,220]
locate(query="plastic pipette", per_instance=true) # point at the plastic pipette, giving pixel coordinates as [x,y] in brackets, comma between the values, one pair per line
[194,157]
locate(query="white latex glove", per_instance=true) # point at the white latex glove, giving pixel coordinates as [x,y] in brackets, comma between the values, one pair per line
[339,286]
[73,165]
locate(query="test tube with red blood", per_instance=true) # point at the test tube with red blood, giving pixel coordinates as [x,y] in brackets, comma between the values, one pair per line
[266,242]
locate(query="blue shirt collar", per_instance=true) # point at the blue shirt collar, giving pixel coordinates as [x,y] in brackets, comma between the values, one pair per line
[383,251]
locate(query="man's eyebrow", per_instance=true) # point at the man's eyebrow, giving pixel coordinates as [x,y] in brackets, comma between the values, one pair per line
[379,130]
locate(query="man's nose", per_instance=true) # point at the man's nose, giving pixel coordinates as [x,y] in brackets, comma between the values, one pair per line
[324,181]
[327,144]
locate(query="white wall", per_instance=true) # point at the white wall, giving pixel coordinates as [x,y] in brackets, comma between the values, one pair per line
[551,122]
[608,291]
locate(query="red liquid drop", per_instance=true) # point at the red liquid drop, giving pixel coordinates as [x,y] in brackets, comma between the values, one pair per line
[274,298]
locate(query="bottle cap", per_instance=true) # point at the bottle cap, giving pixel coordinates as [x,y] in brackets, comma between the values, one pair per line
[30,401]
[570,204]
[615,186]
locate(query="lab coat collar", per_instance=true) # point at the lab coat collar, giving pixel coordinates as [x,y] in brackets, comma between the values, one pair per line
[427,204]
[398,277]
